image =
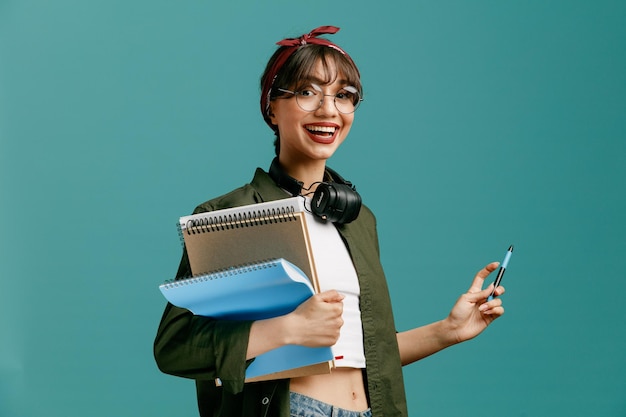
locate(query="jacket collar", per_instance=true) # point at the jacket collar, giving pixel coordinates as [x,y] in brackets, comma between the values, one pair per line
[266,187]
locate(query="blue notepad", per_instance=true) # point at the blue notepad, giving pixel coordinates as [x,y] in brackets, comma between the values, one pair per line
[249,292]
[253,292]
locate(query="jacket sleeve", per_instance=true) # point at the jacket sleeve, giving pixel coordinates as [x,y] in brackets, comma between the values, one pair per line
[199,347]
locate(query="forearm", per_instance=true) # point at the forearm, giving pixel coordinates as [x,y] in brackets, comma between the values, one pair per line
[423,341]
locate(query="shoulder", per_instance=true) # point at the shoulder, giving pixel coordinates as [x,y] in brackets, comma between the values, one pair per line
[238,197]
[366,215]
[261,188]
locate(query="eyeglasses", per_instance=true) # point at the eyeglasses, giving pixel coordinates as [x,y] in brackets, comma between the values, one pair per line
[311,98]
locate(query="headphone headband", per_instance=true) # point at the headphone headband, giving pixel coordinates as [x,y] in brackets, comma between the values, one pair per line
[284,180]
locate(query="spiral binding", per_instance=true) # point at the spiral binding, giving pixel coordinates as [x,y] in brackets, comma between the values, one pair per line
[222,273]
[240,220]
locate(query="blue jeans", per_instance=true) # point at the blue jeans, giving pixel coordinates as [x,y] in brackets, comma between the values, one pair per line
[303,406]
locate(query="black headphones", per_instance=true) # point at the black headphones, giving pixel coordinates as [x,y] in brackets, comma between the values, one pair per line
[336,201]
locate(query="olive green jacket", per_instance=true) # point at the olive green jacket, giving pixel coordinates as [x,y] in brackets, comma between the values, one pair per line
[205,349]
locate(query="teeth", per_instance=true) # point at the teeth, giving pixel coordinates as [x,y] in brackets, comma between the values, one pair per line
[325,129]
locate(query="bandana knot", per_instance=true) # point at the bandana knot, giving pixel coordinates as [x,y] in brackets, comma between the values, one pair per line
[311,37]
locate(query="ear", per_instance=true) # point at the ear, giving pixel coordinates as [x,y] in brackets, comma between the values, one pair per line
[270,113]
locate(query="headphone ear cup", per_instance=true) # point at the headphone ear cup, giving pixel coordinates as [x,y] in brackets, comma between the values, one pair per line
[337,203]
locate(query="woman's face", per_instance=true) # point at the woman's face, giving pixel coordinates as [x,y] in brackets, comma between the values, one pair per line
[311,136]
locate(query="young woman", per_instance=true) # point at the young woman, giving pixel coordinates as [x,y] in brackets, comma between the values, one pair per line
[310,91]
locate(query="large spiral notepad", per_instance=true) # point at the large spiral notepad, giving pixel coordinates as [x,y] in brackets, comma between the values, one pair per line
[223,239]
[247,234]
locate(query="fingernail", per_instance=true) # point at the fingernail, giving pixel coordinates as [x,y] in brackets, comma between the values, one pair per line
[483,307]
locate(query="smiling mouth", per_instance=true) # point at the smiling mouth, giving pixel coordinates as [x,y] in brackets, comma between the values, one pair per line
[327,131]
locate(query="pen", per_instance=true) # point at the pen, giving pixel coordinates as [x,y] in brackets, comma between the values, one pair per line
[496,283]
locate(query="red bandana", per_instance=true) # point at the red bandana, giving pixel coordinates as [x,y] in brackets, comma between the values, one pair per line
[292,45]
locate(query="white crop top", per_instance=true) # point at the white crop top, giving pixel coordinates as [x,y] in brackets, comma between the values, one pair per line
[335,271]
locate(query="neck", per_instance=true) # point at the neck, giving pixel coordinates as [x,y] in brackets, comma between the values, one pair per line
[309,173]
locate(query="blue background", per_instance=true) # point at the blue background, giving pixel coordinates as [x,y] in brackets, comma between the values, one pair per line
[485,123]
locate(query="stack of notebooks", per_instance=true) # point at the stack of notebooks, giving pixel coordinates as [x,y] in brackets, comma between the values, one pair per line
[250,263]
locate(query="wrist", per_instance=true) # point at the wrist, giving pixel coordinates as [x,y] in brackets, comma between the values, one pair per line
[447,332]
[268,334]
[288,329]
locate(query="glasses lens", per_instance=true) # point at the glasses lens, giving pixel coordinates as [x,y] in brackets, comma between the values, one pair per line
[347,100]
[310,98]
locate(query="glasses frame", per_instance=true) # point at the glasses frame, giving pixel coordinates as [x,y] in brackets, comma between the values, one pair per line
[319,89]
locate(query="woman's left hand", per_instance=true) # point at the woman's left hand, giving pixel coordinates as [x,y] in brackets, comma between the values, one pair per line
[472,313]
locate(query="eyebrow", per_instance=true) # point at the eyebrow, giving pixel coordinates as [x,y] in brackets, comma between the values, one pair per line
[316,80]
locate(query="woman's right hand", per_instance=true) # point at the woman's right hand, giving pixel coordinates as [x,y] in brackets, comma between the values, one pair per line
[317,321]
[314,323]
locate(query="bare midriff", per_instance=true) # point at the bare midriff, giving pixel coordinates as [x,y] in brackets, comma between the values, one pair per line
[343,387]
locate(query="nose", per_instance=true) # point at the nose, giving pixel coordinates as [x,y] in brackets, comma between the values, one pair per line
[327,108]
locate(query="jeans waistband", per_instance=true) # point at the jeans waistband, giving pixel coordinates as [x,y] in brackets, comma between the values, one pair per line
[303,406]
